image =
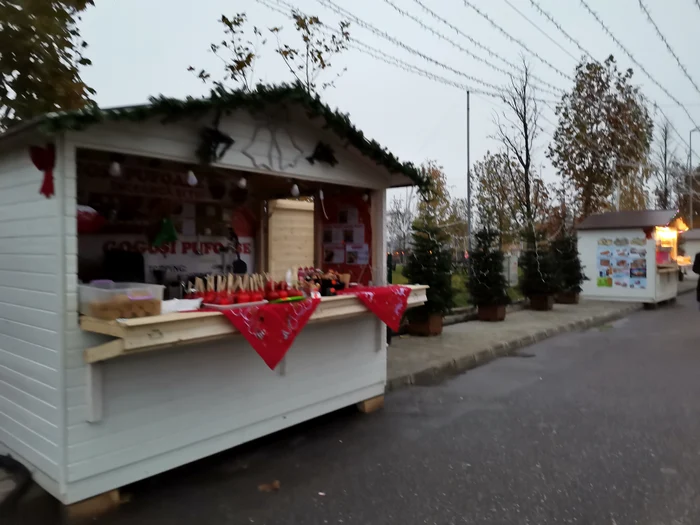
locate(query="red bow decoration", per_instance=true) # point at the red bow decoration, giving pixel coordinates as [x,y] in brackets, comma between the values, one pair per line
[388,303]
[271,328]
[89,221]
[44,159]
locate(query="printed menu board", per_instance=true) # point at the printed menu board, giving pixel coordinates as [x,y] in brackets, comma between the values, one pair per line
[621,263]
[604,263]
[638,263]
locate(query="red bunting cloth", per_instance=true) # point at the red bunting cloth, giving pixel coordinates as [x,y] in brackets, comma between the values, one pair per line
[44,159]
[271,328]
[388,303]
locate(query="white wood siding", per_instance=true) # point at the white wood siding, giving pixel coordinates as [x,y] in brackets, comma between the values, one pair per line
[31,319]
[296,138]
[169,408]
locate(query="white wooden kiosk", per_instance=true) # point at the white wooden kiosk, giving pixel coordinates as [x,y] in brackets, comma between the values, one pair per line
[630,255]
[90,410]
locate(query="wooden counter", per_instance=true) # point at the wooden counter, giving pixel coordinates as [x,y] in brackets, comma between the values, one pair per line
[161,332]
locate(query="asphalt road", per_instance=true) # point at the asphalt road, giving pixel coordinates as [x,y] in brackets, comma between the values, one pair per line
[597,427]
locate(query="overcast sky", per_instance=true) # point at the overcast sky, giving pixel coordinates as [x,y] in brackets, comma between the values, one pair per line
[141,48]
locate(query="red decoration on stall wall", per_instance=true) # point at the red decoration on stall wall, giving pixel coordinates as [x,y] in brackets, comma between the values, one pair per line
[271,328]
[44,159]
[89,221]
[334,203]
[388,303]
[243,222]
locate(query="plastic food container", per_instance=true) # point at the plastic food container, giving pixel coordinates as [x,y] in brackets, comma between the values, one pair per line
[109,300]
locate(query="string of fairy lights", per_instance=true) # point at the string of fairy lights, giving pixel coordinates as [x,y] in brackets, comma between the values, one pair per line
[668,46]
[546,93]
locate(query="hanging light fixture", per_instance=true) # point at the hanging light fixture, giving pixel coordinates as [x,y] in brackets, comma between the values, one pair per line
[295,190]
[191,178]
[365,197]
[115,166]
[242,183]
[115,169]
[323,205]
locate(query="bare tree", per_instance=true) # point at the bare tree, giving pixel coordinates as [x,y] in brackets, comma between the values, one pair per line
[517,131]
[666,164]
[401,215]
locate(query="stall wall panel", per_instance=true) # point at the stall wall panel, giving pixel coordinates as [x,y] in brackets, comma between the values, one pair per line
[30,317]
[171,407]
[278,145]
[692,248]
[588,250]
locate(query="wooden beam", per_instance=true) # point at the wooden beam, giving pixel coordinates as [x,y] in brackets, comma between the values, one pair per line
[371,405]
[91,508]
[104,352]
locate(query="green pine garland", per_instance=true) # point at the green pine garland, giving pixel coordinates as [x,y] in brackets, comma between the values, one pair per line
[430,263]
[226,101]
[487,284]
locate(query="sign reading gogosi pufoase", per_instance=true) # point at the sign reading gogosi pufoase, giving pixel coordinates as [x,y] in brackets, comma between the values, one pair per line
[187,255]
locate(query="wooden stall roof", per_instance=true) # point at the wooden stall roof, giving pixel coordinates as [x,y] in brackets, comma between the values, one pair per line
[622,220]
[221,100]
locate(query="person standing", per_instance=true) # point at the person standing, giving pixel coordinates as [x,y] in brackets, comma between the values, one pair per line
[696,269]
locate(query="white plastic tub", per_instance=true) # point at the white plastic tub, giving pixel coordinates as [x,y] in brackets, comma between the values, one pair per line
[110,300]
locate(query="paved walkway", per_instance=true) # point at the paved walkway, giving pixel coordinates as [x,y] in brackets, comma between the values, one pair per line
[597,427]
[414,360]
[423,360]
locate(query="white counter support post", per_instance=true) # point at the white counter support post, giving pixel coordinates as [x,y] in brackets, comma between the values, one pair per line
[378,202]
[93,392]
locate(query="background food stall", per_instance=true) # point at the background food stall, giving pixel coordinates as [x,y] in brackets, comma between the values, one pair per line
[630,255]
[156,195]
[690,243]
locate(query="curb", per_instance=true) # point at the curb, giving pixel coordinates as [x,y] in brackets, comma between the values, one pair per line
[457,366]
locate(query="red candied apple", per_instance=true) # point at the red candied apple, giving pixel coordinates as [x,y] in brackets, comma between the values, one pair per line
[283,294]
[257,296]
[244,297]
[272,295]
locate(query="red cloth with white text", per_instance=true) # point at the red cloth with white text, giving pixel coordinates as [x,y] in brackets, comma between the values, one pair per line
[271,328]
[388,303]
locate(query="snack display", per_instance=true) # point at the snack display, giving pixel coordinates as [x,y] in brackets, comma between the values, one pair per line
[109,300]
[227,290]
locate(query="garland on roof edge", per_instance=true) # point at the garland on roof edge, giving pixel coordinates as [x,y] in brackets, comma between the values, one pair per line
[220,99]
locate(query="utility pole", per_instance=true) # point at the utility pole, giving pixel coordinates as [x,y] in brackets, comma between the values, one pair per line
[691,193]
[469,188]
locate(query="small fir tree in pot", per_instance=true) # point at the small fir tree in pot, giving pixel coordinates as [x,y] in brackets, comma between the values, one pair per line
[539,278]
[568,263]
[430,263]
[488,287]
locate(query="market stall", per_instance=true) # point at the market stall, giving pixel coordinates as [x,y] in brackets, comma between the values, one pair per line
[690,245]
[141,326]
[630,255]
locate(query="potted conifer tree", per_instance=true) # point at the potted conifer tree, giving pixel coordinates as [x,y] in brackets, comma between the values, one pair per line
[488,287]
[568,264]
[539,278]
[430,263]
